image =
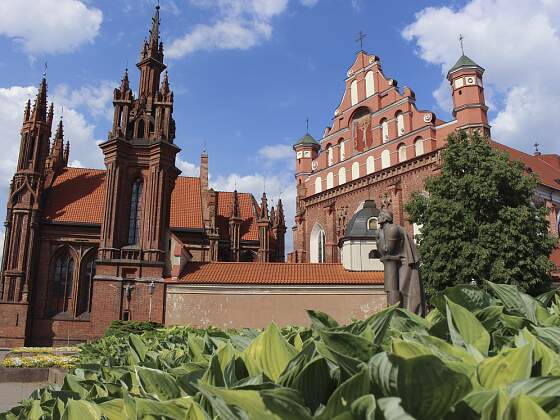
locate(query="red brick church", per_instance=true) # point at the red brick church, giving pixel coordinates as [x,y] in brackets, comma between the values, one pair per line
[137,241]
[381,146]
[85,246]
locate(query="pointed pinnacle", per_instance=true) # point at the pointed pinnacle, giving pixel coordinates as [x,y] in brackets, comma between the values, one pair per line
[60,130]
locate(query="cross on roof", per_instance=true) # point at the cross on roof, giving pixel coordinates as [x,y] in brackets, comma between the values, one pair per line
[307,123]
[360,39]
[461,38]
[537,148]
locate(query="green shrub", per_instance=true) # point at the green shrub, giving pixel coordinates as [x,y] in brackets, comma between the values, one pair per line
[124,328]
[481,353]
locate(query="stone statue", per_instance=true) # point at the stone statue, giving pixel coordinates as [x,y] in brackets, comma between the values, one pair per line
[400,259]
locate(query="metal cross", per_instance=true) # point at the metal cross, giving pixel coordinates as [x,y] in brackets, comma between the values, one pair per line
[461,38]
[307,123]
[536,147]
[360,39]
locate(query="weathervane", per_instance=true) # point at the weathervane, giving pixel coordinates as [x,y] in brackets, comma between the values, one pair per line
[461,38]
[307,123]
[360,39]
[537,151]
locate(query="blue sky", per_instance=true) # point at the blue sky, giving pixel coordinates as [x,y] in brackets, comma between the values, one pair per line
[247,73]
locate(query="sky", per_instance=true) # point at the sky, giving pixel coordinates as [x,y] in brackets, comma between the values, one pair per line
[247,73]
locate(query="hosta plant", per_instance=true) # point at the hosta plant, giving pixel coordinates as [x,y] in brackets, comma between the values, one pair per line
[489,354]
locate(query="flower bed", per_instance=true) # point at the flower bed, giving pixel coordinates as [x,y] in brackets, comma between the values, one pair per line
[40,361]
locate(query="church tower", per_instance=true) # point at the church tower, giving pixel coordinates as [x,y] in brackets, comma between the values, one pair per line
[141,173]
[23,219]
[469,106]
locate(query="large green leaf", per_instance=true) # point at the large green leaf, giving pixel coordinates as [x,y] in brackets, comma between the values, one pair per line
[314,382]
[465,329]
[548,358]
[549,336]
[515,300]
[138,346]
[508,366]
[522,407]
[81,410]
[423,386]
[321,320]
[345,394]
[469,297]
[390,408]
[270,353]
[157,383]
[383,374]
[364,408]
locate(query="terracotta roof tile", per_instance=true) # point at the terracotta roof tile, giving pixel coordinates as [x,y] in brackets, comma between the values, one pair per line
[547,174]
[186,204]
[276,274]
[78,196]
[247,208]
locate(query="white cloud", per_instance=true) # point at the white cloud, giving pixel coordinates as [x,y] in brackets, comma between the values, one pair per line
[187,168]
[97,100]
[238,24]
[49,26]
[518,42]
[276,152]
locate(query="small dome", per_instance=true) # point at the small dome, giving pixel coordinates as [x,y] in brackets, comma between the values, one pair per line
[307,140]
[363,224]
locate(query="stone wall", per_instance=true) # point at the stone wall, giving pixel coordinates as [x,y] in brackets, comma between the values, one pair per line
[256,307]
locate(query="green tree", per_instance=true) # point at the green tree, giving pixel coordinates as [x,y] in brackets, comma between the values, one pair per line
[479,221]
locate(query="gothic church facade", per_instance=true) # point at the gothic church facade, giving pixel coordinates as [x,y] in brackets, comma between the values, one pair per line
[382,147]
[85,246]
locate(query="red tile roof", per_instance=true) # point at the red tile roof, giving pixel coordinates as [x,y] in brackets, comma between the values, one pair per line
[276,274]
[78,196]
[248,210]
[543,168]
[186,204]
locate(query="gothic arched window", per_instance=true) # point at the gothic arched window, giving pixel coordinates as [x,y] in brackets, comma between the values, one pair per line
[330,180]
[140,132]
[384,130]
[341,176]
[317,244]
[419,146]
[135,213]
[370,86]
[400,123]
[385,159]
[318,185]
[355,170]
[330,155]
[84,287]
[402,152]
[354,93]
[370,165]
[62,280]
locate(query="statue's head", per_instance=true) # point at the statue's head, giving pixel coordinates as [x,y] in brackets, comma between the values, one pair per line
[385,216]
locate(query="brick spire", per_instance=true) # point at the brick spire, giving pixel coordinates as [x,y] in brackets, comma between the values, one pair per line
[151,60]
[40,107]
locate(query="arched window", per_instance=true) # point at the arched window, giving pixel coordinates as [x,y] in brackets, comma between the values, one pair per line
[419,146]
[384,130]
[30,147]
[385,159]
[317,244]
[318,185]
[370,87]
[140,130]
[402,152]
[151,125]
[354,92]
[84,287]
[341,176]
[330,180]
[330,155]
[62,280]
[355,170]
[342,151]
[400,123]
[135,213]
[370,165]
